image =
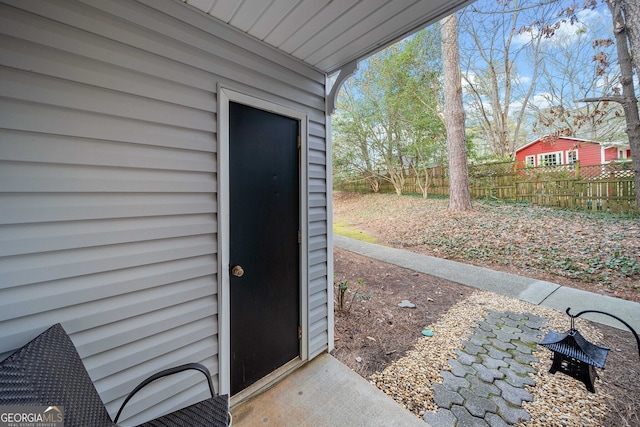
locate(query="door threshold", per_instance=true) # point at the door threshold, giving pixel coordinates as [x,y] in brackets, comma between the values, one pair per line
[265,383]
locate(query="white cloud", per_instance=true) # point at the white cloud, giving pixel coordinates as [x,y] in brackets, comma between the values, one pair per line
[589,16]
[515,107]
[469,78]
[521,39]
[541,100]
[566,33]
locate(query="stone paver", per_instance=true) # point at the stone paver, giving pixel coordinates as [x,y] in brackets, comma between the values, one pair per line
[446,398]
[460,370]
[483,333]
[515,379]
[504,336]
[453,383]
[482,388]
[492,363]
[494,352]
[466,358]
[487,327]
[473,348]
[442,418]
[487,375]
[522,348]
[485,385]
[476,405]
[513,395]
[501,345]
[509,413]
[465,419]
[519,368]
[525,359]
[495,420]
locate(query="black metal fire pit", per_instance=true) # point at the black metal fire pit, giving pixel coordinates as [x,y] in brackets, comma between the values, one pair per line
[575,356]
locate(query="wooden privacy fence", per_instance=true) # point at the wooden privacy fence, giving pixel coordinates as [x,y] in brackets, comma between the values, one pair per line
[608,187]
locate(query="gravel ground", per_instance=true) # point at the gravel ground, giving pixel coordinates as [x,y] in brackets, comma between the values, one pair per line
[558,400]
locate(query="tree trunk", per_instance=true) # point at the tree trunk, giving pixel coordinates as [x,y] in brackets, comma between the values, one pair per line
[632,20]
[629,102]
[459,194]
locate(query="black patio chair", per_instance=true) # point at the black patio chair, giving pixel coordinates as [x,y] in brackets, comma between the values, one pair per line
[49,372]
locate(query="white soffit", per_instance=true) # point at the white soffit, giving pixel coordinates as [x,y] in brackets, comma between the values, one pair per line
[328,34]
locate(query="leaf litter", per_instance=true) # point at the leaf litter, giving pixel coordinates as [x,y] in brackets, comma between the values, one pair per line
[595,252]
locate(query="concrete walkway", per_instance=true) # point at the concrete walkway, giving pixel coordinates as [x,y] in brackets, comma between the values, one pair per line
[323,393]
[535,291]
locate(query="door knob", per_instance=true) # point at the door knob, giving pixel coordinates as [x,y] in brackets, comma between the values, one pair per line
[237,271]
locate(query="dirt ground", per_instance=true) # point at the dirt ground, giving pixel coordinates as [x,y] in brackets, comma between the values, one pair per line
[371,331]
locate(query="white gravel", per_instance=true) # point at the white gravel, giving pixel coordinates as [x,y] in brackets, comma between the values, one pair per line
[558,400]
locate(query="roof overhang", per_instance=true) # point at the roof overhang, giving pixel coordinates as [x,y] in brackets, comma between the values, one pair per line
[328,34]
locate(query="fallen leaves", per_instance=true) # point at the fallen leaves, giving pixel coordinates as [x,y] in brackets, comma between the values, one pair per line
[596,251]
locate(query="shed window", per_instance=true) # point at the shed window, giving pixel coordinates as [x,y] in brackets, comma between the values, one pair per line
[572,157]
[530,161]
[550,159]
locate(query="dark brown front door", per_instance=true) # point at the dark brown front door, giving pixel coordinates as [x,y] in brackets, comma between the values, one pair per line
[264,223]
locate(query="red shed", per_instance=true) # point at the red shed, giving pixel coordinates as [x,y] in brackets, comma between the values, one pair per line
[550,151]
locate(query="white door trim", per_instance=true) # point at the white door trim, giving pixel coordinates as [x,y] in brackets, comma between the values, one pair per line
[225,95]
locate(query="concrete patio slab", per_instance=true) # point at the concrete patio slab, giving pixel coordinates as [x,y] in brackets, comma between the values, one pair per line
[323,393]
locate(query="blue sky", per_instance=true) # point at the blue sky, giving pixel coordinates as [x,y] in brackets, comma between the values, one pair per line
[566,71]
[592,24]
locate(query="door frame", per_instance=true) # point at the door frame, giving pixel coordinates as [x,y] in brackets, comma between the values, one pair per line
[226,95]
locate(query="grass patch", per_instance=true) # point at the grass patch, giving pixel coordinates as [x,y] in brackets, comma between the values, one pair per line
[346,230]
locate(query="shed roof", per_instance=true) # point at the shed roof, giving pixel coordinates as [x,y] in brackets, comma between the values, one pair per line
[328,34]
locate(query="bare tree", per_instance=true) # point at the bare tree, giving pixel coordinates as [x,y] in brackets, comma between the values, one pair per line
[629,101]
[632,19]
[569,74]
[497,94]
[622,14]
[459,194]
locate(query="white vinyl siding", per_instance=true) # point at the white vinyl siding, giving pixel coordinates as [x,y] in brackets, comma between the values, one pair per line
[108,180]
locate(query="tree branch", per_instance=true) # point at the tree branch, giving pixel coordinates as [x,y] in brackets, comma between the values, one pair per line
[619,99]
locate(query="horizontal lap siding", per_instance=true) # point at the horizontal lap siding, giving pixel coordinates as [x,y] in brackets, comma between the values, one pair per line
[318,246]
[108,184]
